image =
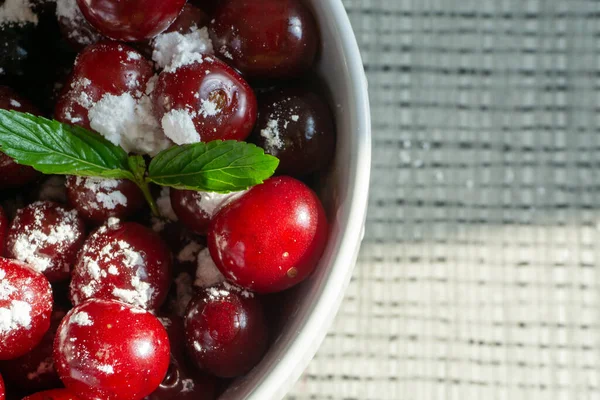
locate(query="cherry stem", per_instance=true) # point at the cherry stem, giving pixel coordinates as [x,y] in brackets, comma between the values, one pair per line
[145,188]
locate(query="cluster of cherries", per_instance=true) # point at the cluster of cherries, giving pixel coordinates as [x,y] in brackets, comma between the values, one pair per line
[86,287]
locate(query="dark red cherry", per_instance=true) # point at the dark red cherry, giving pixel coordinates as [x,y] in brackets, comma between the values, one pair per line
[98,199]
[296,126]
[73,25]
[196,209]
[102,68]
[47,237]
[55,394]
[34,371]
[226,331]
[2,389]
[182,381]
[112,351]
[11,173]
[271,238]
[123,261]
[204,100]
[25,308]
[265,38]
[131,20]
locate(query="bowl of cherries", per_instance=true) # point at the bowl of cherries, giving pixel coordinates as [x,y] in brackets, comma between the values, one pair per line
[183,188]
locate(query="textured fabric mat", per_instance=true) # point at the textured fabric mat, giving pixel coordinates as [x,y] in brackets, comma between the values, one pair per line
[477,278]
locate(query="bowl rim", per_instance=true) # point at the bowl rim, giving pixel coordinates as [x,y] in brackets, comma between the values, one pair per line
[312,331]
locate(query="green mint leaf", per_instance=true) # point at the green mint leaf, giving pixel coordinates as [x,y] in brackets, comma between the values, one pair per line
[216,166]
[52,147]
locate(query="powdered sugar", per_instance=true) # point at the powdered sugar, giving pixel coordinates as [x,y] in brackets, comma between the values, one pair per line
[172,45]
[6,289]
[45,367]
[81,318]
[207,273]
[209,108]
[68,9]
[272,135]
[190,252]
[17,12]
[17,315]
[106,194]
[184,292]
[31,238]
[129,123]
[178,126]
[211,202]
[188,385]
[107,369]
[181,60]
[164,204]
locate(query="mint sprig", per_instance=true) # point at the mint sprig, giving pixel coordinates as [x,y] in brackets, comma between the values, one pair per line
[216,166]
[52,147]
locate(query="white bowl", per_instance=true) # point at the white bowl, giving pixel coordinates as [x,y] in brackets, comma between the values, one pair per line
[345,196]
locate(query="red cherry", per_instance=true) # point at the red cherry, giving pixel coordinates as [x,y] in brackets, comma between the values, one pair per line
[34,371]
[56,394]
[131,20]
[226,331]
[73,25]
[271,238]
[196,209]
[25,308]
[111,351]
[2,389]
[208,94]
[266,38]
[102,68]
[98,199]
[296,126]
[182,381]
[47,237]
[123,261]
[11,173]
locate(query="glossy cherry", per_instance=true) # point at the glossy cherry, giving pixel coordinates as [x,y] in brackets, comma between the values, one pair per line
[219,102]
[34,371]
[131,20]
[183,381]
[226,331]
[271,238]
[296,126]
[265,38]
[2,389]
[73,25]
[102,68]
[196,209]
[123,261]
[25,308]
[112,351]
[55,394]
[11,173]
[98,199]
[47,237]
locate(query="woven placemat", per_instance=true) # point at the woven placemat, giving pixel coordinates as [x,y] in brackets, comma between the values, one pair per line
[478,276]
